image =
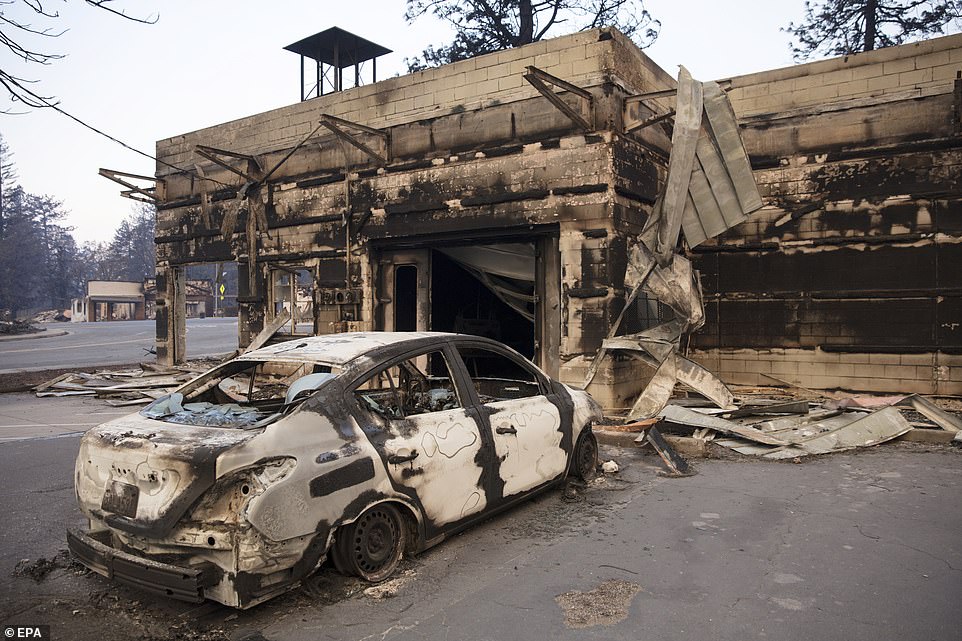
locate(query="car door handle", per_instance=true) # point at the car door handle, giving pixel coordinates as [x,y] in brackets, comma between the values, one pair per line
[506,430]
[402,458]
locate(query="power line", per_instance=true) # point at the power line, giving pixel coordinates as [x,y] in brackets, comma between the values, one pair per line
[44,102]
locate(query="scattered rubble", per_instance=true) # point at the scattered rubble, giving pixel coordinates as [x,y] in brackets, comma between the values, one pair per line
[389,589]
[122,387]
[774,423]
[38,569]
[51,315]
[16,328]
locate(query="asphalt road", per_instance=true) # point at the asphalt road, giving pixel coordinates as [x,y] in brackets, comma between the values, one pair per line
[111,343]
[852,546]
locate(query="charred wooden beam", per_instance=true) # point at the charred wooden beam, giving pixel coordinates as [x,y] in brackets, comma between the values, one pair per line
[212,154]
[648,122]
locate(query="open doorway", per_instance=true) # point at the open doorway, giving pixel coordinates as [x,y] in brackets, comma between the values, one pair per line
[470,301]
[508,290]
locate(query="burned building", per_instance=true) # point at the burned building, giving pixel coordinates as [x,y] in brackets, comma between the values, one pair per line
[500,196]
[851,276]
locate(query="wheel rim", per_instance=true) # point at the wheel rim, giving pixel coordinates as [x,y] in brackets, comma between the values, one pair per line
[587,457]
[376,542]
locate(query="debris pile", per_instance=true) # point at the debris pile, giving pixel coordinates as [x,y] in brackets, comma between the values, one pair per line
[15,327]
[61,316]
[788,428]
[122,387]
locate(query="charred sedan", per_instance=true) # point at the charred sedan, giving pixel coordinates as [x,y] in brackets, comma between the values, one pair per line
[354,447]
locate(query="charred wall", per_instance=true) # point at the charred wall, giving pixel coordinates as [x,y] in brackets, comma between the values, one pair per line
[471,153]
[849,277]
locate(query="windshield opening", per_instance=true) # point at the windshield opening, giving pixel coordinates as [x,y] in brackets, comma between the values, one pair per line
[242,394]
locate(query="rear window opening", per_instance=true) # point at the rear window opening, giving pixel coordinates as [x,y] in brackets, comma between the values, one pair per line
[243,394]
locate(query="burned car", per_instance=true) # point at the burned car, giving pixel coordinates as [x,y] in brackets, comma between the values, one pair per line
[356,448]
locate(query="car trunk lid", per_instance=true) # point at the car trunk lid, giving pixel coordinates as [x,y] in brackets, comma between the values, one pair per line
[141,476]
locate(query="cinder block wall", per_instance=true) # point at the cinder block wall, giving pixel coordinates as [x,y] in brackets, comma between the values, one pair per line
[851,276]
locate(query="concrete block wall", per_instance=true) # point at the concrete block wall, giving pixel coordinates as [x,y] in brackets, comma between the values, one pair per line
[464,86]
[923,68]
[846,278]
[936,373]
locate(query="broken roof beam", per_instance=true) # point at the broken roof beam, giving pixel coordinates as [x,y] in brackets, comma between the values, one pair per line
[149,194]
[337,127]
[540,81]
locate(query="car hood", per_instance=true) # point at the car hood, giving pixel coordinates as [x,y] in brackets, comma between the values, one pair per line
[141,476]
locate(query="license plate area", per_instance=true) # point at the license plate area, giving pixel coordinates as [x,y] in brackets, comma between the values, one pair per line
[121,498]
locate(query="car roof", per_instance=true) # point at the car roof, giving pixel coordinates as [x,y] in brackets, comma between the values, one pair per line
[338,349]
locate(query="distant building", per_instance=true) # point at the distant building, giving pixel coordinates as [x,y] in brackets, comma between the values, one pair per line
[108,300]
[198,298]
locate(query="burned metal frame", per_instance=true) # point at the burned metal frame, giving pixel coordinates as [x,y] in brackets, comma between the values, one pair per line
[212,153]
[149,194]
[540,80]
[335,125]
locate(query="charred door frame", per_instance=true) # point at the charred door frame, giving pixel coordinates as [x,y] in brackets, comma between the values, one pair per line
[411,250]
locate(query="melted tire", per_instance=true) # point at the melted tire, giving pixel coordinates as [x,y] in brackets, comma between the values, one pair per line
[585,458]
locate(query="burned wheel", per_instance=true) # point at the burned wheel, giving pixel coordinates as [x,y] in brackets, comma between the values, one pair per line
[371,547]
[585,463]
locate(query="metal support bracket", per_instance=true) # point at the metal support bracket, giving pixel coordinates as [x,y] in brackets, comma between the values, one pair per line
[636,124]
[134,192]
[337,127]
[540,81]
[212,154]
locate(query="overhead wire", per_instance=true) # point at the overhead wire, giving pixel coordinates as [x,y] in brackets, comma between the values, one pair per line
[45,102]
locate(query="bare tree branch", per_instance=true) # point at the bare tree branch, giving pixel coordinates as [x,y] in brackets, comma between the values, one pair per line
[17,35]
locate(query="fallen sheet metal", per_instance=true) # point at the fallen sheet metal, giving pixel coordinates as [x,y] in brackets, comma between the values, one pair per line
[119,387]
[677,466]
[934,413]
[684,140]
[818,433]
[684,416]
[709,189]
[770,409]
[869,430]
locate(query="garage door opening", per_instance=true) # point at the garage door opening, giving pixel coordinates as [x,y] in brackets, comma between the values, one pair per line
[468,299]
[509,291]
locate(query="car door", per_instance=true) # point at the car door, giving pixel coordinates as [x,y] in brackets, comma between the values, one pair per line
[429,439]
[525,424]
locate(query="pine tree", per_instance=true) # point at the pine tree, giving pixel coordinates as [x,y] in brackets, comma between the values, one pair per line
[844,27]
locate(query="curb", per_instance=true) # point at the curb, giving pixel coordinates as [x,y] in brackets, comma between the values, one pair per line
[685,445]
[41,334]
[618,439]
